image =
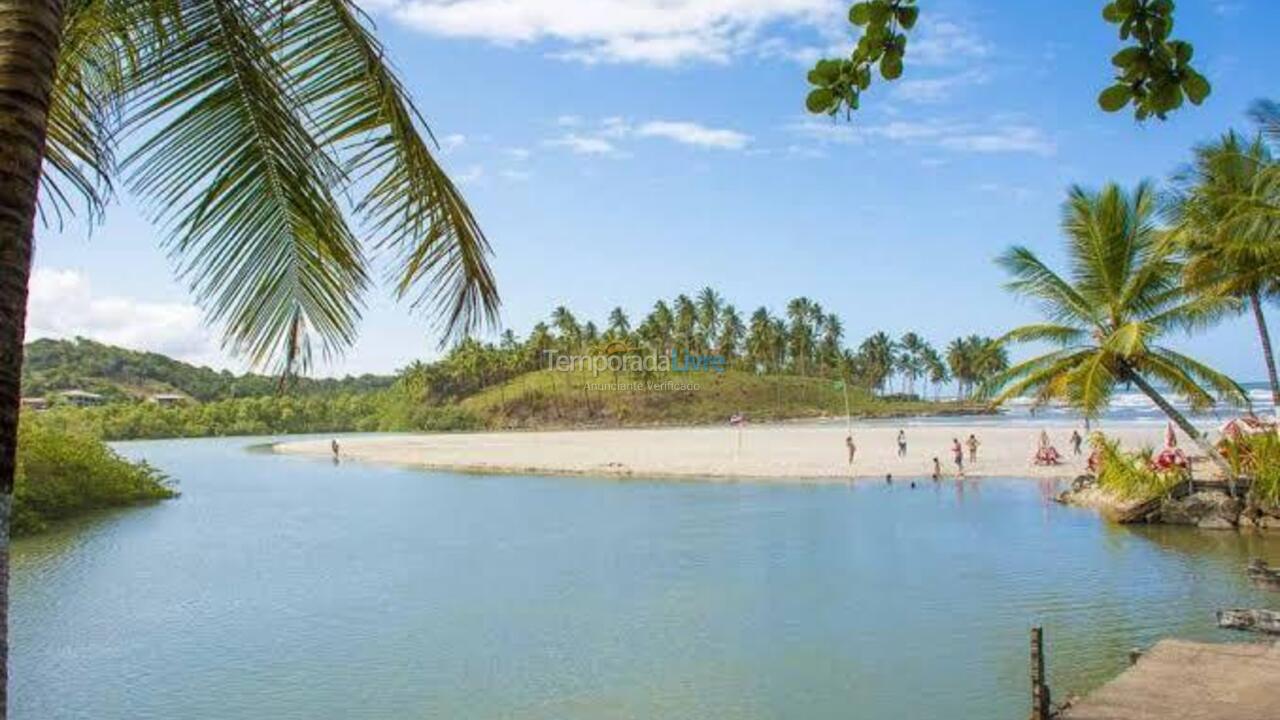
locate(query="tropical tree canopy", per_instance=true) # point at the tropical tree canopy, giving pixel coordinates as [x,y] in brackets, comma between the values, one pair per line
[1106,315]
[281,154]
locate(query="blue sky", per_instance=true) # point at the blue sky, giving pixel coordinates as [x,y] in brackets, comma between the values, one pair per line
[617,151]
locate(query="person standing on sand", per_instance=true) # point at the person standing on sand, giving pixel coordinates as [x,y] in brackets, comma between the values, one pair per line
[937,470]
[853,449]
[957,454]
[333,445]
[1076,441]
[973,444]
[902,443]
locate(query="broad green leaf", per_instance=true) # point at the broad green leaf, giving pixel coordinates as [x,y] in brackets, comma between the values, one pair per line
[891,66]
[1115,97]
[820,101]
[907,16]
[860,13]
[1196,86]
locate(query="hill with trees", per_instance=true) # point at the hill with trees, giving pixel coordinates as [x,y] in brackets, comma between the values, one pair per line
[121,374]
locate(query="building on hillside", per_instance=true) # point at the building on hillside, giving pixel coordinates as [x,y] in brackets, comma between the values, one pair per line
[169,399]
[80,398]
[35,403]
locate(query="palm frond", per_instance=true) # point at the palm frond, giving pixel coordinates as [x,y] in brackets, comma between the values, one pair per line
[411,205]
[245,188]
[1057,298]
[1044,332]
[1226,389]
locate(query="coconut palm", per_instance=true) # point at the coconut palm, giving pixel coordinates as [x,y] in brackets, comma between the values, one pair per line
[760,342]
[247,126]
[686,324]
[935,368]
[1120,296]
[832,335]
[801,312]
[709,305]
[1229,253]
[877,355]
[619,325]
[731,333]
[568,331]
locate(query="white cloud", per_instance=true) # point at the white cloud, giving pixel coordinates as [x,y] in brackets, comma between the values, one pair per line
[62,304]
[452,142]
[690,133]
[926,91]
[584,144]
[658,32]
[519,153]
[514,175]
[996,135]
[472,174]
[945,43]
[609,136]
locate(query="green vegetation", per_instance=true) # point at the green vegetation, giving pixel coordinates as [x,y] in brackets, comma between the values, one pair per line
[1257,457]
[1154,73]
[63,474]
[1121,294]
[565,399]
[119,374]
[1133,475]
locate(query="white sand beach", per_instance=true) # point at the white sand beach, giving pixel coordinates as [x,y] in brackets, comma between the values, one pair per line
[782,453]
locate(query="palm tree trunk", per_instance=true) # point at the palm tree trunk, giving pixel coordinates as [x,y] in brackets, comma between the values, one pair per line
[29,34]
[1185,425]
[1267,355]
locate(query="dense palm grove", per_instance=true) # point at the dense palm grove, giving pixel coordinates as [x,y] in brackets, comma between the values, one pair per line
[803,340]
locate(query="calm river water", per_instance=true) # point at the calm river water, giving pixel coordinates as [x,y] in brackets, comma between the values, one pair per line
[283,587]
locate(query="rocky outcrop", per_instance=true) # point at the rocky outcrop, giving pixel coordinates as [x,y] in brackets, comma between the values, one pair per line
[1206,509]
[1209,510]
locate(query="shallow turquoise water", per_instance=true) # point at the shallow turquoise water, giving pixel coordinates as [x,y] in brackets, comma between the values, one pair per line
[280,587]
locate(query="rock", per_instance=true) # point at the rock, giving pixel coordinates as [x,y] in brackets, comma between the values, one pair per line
[1248,522]
[1215,522]
[1203,509]
[1268,522]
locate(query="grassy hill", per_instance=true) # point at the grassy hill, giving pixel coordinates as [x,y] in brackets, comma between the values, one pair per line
[558,399]
[121,374]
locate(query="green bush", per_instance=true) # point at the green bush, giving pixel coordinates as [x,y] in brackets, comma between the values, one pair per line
[1131,475]
[63,474]
[1257,457]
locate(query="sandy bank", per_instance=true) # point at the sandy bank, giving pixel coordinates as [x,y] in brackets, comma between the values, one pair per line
[768,452]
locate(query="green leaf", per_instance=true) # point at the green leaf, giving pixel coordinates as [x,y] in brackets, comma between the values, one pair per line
[1111,13]
[1182,51]
[1127,56]
[1196,86]
[1115,97]
[878,12]
[860,13]
[820,101]
[907,16]
[891,66]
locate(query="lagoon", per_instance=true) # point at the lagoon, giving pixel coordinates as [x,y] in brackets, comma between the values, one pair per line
[287,587]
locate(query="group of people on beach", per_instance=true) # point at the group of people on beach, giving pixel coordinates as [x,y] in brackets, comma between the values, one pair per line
[957,452]
[1046,453]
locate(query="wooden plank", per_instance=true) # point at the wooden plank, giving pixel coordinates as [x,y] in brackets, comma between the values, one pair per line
[1190,681]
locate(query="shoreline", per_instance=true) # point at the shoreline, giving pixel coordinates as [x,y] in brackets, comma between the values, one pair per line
[774,453]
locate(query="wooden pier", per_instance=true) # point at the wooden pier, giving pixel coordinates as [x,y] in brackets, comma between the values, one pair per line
[1181,680]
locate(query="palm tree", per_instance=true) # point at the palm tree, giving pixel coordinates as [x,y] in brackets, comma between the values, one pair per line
[800,313]
[911,360]
[1122,296]
[686,321]
[832,334]
[731,333]
[709,305]
[249,125]
[935,368]
[619,325]
[567,328]
[760,342]
[1227,252]
[877,355]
